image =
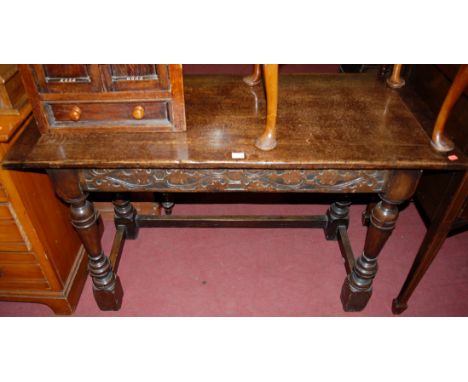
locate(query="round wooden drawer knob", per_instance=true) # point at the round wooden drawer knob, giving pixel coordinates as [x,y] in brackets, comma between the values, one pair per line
[138,112]
[75,113]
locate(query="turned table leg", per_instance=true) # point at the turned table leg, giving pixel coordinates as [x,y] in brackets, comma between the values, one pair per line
[357,287]
[395,81]
[439,141]
[125,216]
[437,233]
[337,215]
[167,203]
[107,288]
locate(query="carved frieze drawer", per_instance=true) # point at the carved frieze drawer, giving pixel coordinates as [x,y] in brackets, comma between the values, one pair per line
[212,180]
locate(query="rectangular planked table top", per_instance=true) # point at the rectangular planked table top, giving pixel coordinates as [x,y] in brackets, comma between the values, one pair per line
[339,121]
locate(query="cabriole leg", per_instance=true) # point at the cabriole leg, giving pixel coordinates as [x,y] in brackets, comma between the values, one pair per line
[267,141]
[439,140]
[255,78]
[395,81]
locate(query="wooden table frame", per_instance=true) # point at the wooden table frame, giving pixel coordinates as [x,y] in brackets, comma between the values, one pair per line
[73,186]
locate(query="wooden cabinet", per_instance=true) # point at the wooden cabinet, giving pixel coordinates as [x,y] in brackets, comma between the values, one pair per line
[117,97]
[41,257]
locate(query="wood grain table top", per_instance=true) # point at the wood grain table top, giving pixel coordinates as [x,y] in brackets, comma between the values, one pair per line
[343,121]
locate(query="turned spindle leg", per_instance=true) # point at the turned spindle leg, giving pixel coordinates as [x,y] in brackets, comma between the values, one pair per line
[107,288]
[435,236]
[395,81]
[267,141]
[255,78]
[125,216]
[366,214]
[439,141]
[337,215]
[167,203]
[357,288]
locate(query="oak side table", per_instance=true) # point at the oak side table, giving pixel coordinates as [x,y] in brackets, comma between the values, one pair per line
[337,134]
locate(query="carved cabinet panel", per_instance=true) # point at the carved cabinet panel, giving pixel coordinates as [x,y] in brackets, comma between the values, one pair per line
[136,77]
[66,78]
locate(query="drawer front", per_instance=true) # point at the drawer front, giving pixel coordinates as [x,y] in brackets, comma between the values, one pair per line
[11,236]
[153,114]
[122,77]
[17,257]
[22,276]
[3,195]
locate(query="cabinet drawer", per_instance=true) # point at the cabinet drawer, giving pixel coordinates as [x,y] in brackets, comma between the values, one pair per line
[17,257]
[3,195]
[11,237]
[155,115]
[5,212]
[24,276]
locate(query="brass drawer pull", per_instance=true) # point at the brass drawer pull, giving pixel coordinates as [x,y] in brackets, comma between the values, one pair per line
[75,113]
[138,112]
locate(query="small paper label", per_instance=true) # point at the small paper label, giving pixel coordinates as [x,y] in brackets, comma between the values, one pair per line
[238,155]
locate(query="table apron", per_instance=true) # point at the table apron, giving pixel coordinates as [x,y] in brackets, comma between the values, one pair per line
[233,180]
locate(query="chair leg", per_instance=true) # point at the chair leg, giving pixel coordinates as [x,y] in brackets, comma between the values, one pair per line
[395,81]
[435,237]
[267,141]
[439,141]
[255,78]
